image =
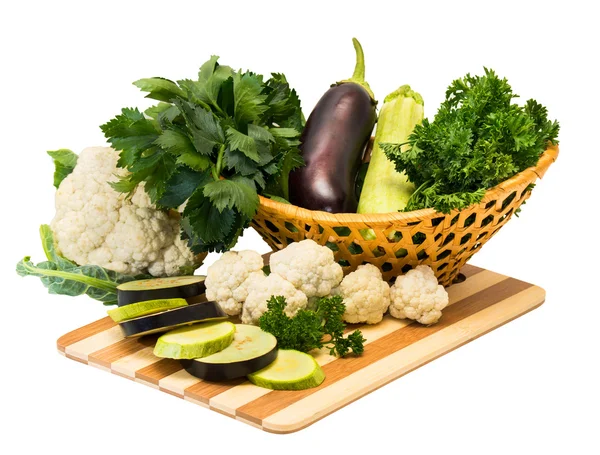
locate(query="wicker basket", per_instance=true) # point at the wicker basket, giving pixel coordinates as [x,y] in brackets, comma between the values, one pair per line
[403,239]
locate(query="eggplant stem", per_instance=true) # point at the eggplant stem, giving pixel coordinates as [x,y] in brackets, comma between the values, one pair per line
[359,69]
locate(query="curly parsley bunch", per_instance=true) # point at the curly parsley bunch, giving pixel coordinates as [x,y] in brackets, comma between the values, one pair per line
[322,327]
[477,139]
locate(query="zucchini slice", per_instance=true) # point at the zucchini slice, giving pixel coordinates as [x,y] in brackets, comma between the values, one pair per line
[175,287]
[170,319]
[291,370]
[135,310]
[199,340]
[251,350]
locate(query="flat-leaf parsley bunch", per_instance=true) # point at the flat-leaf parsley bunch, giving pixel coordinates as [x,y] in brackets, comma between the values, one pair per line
[214,143]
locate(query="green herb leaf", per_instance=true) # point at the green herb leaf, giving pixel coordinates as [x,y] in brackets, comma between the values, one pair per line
[248,101]
[284,105]
[230,194]
[243,143]
[206,132]
[181,185]
[176,142]
[132,133]
[194,161]
[125,185]
[206,89]
[260,133]
[159,88]
[64,163]
[285,132]
[311,329]
[154,111]
[331,310]
[289,160]
[206,220]
[240,163]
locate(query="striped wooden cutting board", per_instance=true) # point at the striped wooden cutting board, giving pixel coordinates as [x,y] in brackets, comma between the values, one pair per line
[484,301]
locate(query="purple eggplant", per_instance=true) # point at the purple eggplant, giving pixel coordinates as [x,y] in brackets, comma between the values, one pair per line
[333,142]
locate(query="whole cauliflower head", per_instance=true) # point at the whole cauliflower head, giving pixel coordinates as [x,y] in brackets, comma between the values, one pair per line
[94,224]
[418,296]
[225,279]
[272,285]
[366,295]
[309,266]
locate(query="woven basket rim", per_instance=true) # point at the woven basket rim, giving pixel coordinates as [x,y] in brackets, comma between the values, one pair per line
[526,176]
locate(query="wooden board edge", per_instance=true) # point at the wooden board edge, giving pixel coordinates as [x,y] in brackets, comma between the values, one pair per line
[84,332]
[293,428]
[72,357]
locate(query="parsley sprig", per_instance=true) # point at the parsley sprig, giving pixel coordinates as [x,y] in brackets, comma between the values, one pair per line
[312,329]
[477,139]
[214,143]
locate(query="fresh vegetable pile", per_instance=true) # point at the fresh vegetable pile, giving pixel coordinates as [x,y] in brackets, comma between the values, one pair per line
[214,349]
[191,311]
[183,178]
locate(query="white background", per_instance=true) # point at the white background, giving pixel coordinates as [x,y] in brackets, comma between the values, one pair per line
[531,386]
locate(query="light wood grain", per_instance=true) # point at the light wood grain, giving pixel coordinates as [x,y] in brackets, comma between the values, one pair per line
[130,364]
[394,347]
[375,375]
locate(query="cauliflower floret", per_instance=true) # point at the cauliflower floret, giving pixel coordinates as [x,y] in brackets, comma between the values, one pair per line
[94,224]
[225,279]
[366,295]
[254,280]
[418,296]
[309,266]
[272,285]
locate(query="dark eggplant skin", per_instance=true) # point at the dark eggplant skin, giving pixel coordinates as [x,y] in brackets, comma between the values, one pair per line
[332,144]
[170,319]
[224,372]
[188,291]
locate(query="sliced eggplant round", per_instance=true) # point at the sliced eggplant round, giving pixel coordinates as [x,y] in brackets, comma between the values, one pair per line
[251,350]
[135,310]
[175,287]
[199,340]
[171,319]
[292,370]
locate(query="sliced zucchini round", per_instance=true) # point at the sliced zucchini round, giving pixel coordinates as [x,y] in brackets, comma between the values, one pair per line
[251,350]
[135,310]
[170,319]
[199,340]
[291,370]
[175,287]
